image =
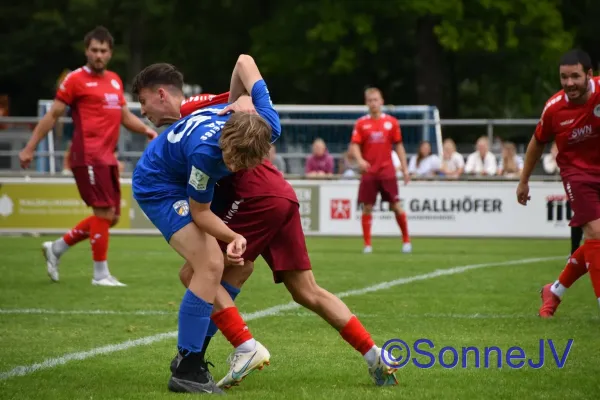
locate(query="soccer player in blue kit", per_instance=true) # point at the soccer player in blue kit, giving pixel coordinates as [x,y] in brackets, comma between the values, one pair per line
[174,181]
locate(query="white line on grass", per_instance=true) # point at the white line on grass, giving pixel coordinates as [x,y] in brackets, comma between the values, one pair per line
[111,348]
[83,312]
[82,355]
[532,315]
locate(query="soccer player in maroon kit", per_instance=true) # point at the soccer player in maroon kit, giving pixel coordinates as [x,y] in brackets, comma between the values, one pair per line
[373,140]
[572,118]
[260,205]
[98,106]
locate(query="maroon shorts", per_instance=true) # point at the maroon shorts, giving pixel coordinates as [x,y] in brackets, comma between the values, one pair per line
[370,185]
[584,196]
[99,186]
[273,229]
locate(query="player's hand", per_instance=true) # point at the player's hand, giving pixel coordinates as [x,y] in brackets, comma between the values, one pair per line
[150,133]
[523,193]
[25,157]
[364,165]
[242,104]
[235,250]
[406,177]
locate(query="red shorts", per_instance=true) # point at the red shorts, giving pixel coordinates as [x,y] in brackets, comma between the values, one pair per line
[99,186]
[370,185]
[273,229]
[584,196]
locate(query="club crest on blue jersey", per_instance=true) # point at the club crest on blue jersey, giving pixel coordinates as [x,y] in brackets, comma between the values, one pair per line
[182,207]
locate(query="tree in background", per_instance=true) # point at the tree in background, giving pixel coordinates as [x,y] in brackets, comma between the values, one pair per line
[471,58]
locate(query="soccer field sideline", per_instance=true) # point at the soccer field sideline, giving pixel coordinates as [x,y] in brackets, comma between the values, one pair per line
[57,361]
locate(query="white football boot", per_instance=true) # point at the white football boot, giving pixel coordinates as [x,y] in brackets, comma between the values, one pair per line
[51,261]
[108,281]
[243,363]
[381,373]
[407,248]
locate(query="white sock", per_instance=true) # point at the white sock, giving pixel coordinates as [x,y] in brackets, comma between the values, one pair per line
[247,346]
[558,289]
[599,301]
[371,356]
[101,270]
[59,247]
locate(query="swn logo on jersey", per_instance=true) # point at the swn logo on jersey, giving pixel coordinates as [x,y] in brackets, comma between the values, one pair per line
[581,134]
[377,137]
[340,209]
[182,207]
[112,100]
[558,209]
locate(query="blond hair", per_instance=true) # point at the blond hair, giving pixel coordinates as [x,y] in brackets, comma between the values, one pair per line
[373,90]
[483,140]
[450,142]
[245,140]
[509,165]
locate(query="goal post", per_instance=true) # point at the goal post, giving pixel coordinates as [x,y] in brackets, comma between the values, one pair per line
[301,125]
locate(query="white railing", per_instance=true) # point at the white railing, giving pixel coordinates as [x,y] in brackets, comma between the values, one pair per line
[47,153]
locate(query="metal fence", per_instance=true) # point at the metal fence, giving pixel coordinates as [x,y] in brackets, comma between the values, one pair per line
[300,128]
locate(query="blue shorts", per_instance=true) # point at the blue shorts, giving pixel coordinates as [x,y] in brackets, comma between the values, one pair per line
[168,214]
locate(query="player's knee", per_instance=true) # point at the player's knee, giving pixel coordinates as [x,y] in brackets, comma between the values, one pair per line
[106,213]
[214,264]
[238,275]
[114,221]
[309,296]
[244,272]
[397,208]
[209,266]
[303,288]
[185,274]
[367,209]
[591,230]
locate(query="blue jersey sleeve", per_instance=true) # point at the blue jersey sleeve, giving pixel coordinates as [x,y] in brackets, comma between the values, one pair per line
[264,107]
[200,185]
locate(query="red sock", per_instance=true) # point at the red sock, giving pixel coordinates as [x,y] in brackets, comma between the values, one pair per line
[99,237]
[574,269]
[366,227]
[592,259]
[357,336]
[79,233]
[401,220]
[232,326]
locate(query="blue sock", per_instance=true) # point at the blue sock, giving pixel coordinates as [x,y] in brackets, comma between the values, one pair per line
[233,292]
[194,317]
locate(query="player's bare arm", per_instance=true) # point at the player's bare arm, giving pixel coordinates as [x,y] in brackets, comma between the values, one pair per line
[40,131]
[403,163]
[245,75]
[357,155]
[208,222]
[535,148]
[134,124]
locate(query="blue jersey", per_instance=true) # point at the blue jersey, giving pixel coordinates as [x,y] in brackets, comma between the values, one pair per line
[187,154]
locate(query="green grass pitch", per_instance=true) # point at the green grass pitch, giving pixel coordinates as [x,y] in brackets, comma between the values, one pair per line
[72,331]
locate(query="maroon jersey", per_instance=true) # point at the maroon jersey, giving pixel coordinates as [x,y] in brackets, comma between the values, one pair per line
[376,138]
[96,102]
[263,181]
[576,129]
